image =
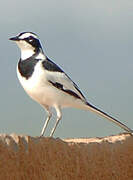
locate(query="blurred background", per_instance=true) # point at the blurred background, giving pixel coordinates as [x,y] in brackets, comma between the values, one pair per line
[92,41]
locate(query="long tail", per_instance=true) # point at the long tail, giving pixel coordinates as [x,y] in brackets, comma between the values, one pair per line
[105,115]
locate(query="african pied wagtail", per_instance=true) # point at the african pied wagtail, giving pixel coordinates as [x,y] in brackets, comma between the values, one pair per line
[48,84]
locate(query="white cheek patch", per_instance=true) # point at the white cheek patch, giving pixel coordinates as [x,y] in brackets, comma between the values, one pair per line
[23,45]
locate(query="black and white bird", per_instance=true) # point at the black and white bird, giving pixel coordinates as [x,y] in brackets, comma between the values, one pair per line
[48,84]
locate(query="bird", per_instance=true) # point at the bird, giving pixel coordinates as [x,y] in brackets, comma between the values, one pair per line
[47,84]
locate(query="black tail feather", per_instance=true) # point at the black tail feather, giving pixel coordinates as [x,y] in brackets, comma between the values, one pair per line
[110,118]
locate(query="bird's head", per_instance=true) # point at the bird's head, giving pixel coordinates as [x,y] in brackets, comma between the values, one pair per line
[28,43]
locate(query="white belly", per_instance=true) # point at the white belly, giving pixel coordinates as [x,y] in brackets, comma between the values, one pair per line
[36,86]
[39,89]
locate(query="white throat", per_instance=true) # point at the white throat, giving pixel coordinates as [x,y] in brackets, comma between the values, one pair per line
[26,53]
[27,50]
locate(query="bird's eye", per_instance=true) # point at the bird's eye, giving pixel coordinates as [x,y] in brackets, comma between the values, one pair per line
[30,40]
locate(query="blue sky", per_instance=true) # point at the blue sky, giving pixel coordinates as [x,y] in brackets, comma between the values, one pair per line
[92,41]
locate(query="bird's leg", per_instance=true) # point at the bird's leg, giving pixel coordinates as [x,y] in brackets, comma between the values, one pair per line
[46,122]
[59,116]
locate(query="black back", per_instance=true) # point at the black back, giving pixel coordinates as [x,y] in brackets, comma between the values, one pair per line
[51,66]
